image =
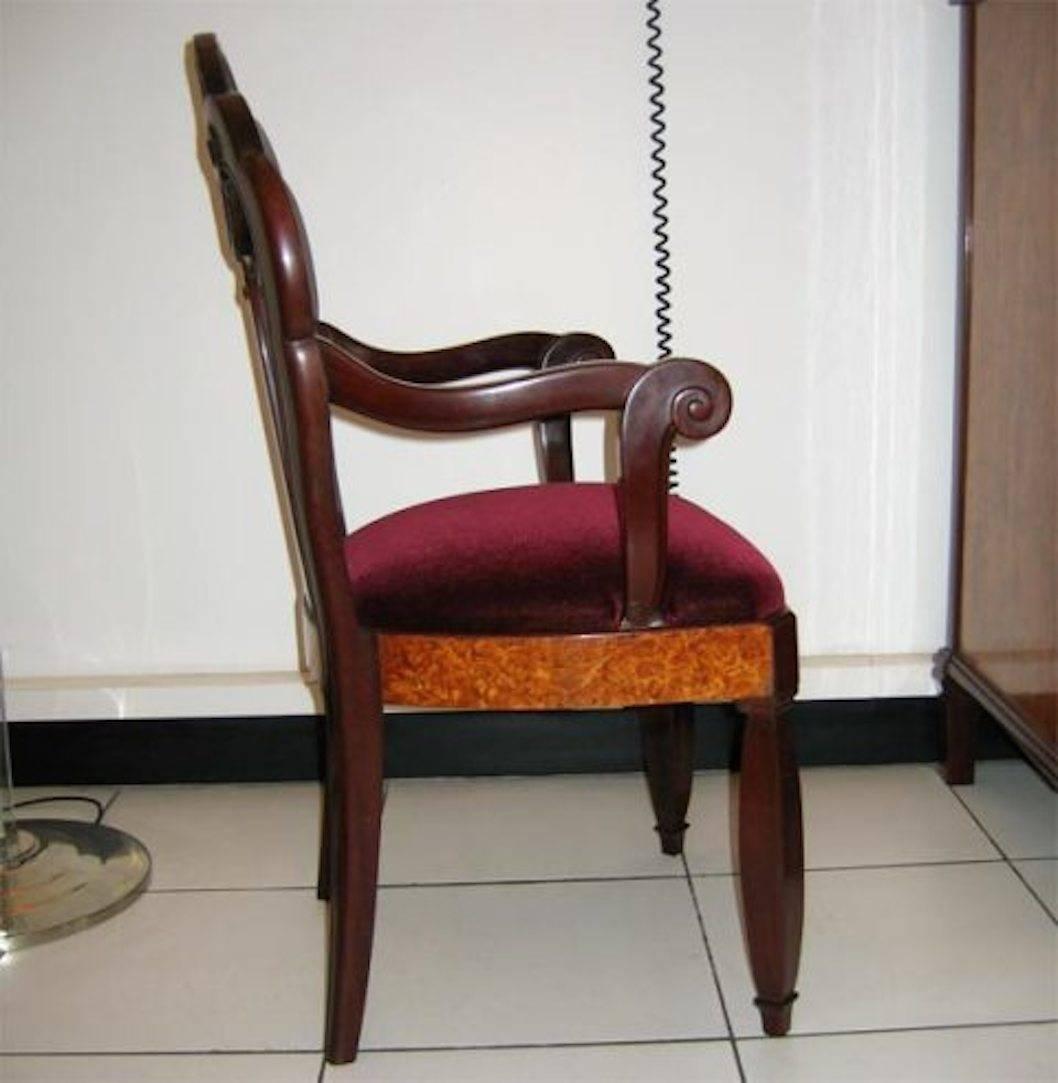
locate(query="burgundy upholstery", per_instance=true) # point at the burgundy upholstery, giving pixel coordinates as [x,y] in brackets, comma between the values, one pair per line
[544,558]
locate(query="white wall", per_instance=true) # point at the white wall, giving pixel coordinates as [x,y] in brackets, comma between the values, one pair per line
[465,169]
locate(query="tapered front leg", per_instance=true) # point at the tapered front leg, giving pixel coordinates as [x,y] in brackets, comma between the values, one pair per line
[668,756]
[354,756]
[771,860]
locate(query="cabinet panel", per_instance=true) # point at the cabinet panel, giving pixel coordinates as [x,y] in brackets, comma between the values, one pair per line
[1007,623]
[1005,654]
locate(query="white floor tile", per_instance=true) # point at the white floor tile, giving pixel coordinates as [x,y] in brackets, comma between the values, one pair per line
[1042,876]
[584,962]
[200,971]
[1016,807]
[707,844]
[890,815]
[686,1062]
[886,815]
[938,945]
[61,809]
[539,963]
[225,836]
[459,830]
[162,1068]
[963,1055]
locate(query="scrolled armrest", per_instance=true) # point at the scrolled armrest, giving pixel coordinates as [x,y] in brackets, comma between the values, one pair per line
[676,397]
[357,386]
[522,350]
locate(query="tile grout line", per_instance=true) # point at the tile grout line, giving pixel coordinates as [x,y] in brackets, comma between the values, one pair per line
[1006,858]
[390,1050]
[723,1039]
[437,884]
[556,880]
[617,1043]
[713,970]
[24,1054]
[523,881]
[924,1028]
[513,1047]
[973,817]
[952,862]
[716,874]
[1032,891]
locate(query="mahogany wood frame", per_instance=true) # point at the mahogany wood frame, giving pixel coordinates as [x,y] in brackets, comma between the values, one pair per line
[310,367]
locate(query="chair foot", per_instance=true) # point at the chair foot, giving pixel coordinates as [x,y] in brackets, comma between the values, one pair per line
[771,860]
[672,839]
[667,735]
[776,1016]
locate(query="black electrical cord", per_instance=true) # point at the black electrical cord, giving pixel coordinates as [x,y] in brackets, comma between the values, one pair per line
[662,270]
[99,806]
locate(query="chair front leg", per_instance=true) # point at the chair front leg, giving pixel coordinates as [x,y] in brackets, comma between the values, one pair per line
[354,812]
[771,859]
[667,735]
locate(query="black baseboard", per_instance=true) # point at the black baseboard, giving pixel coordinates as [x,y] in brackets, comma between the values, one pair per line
[426,745]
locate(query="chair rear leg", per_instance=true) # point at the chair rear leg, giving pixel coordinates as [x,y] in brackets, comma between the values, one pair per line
[771,860]
[354,820]
[667,734]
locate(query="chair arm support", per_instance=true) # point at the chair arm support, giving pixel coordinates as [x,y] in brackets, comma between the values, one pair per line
[522,350]
[357,386]
[554,435]
[677,397]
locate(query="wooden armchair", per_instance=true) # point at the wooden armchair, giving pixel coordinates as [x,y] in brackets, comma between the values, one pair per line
[563,594]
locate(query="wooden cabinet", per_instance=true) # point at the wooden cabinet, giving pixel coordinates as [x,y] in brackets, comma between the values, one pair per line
[1004,654]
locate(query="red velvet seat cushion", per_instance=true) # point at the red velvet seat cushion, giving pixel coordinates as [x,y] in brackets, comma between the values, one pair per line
[544,558]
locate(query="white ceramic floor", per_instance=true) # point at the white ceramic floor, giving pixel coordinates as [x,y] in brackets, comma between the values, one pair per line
[529,931]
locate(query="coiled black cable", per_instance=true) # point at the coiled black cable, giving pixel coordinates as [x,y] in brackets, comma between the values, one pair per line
[662,271]
[659,164]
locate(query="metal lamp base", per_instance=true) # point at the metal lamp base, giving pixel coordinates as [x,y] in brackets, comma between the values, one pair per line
[59,876]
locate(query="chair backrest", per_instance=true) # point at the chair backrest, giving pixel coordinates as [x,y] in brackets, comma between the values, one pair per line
[267,238]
